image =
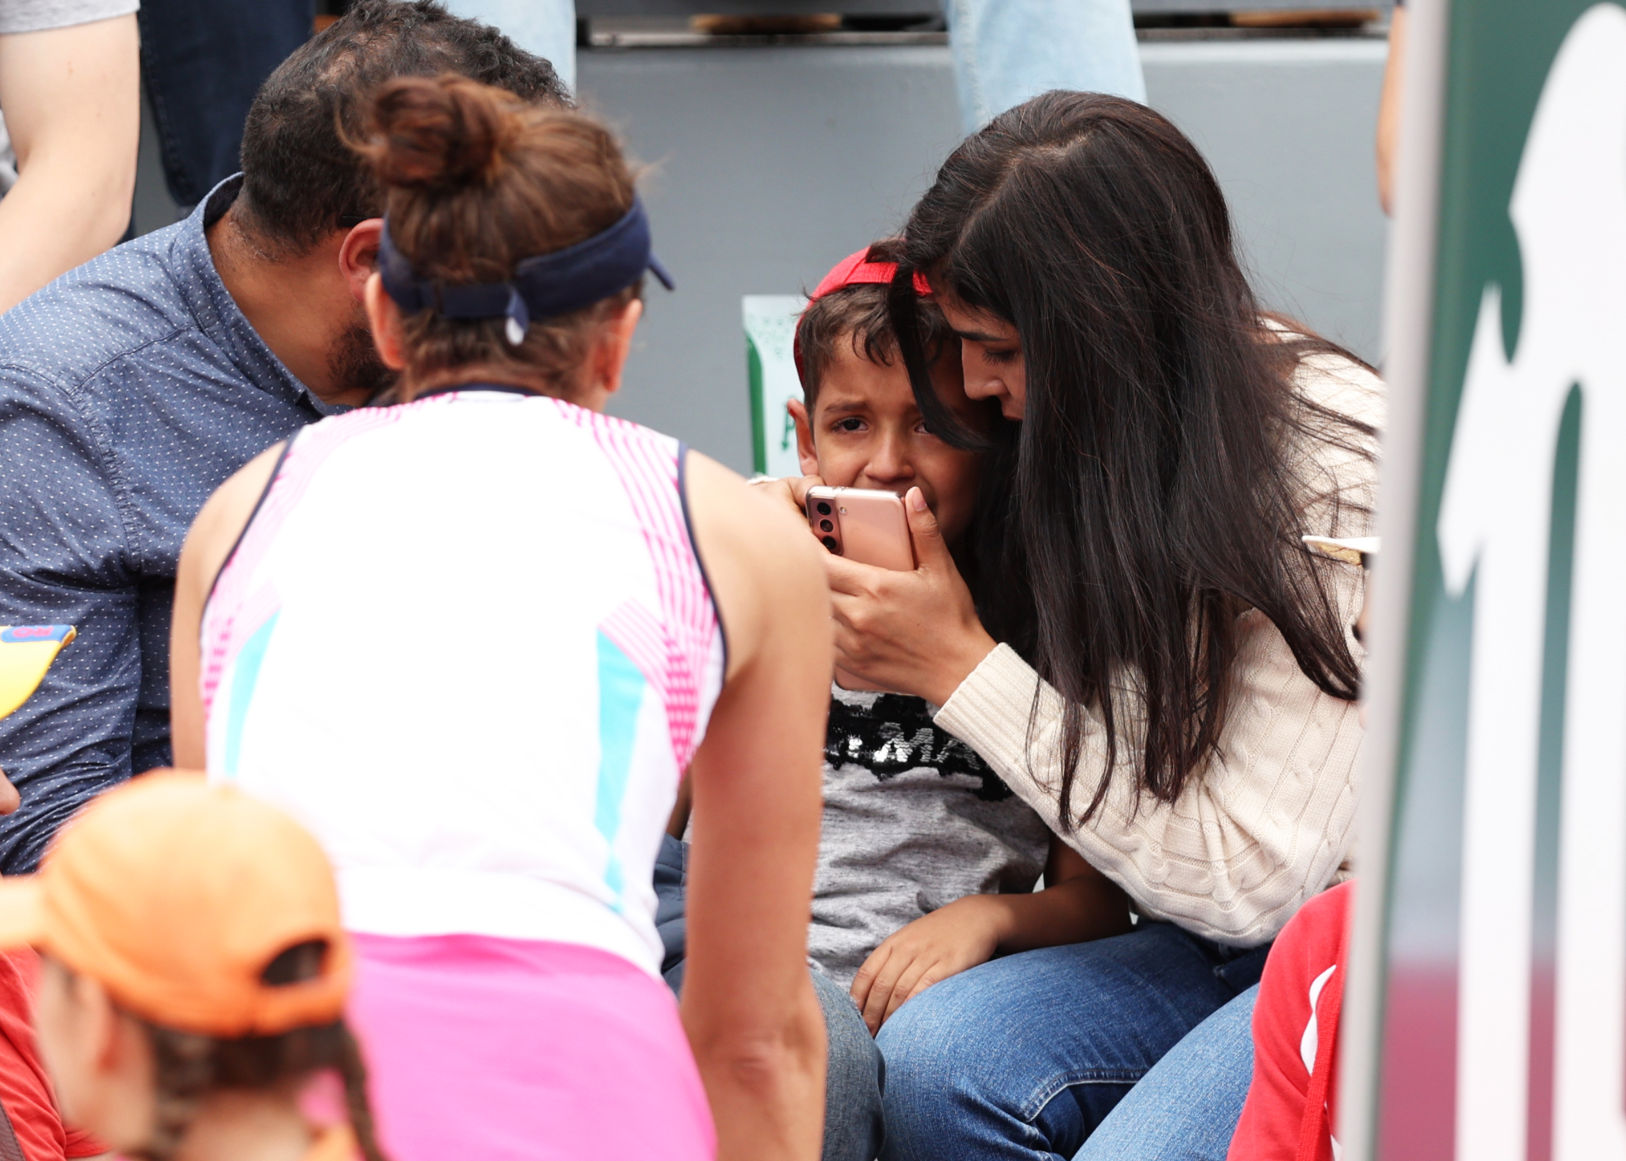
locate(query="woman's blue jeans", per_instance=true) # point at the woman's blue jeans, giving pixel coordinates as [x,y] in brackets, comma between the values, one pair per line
[1008,51]
[1025,1057]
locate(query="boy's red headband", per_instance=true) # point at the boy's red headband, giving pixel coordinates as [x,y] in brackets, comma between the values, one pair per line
[857,270]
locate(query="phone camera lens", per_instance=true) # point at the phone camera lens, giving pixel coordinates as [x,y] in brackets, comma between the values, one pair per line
[827,526]
[830,543]
[824,508]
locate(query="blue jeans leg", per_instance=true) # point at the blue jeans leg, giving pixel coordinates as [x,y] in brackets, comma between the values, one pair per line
[1187,1106]
[1022,1057]
[1007,51]
[854,1078]
[203,61]
[544,27]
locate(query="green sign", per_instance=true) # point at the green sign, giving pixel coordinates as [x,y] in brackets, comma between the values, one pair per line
[770,362]
[1487,1016]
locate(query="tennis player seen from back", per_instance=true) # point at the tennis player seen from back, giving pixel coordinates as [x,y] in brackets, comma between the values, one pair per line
[467,639]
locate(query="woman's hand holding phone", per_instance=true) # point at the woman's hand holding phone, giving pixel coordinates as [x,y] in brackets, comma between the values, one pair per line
[913,632]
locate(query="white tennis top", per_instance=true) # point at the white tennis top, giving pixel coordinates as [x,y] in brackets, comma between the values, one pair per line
[467,641]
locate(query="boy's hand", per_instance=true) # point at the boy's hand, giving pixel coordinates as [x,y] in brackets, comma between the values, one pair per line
[790,490]
[1079,904]
[948,941]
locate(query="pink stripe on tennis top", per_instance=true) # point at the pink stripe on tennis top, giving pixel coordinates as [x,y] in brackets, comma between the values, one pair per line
[688,616]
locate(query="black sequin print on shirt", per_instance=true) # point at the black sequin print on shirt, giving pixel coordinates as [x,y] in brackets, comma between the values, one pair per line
[895,733]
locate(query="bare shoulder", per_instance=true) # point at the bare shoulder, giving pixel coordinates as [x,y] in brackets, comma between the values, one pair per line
[213,535]
[761,560]
[223,516]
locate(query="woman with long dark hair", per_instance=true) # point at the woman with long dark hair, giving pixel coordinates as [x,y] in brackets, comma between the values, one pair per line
[1151,658]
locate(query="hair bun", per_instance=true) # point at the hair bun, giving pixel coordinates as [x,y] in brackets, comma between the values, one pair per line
[440,133]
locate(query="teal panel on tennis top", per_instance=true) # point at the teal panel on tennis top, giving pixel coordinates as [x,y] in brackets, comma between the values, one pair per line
[620,694]
[247,673]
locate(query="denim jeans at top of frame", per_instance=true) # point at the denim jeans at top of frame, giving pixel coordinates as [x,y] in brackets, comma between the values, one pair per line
[203,60]
[544,27]
[1008,51]
[1005,51]
[201,63]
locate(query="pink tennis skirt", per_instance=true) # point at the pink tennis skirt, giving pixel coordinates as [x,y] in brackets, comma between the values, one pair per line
[508,1049]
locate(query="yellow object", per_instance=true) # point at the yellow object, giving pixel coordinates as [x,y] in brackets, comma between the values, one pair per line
[26,652]
[1349,549]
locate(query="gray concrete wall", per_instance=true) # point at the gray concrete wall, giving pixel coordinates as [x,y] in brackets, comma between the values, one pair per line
[1288,126]
[769,164]
[766,165]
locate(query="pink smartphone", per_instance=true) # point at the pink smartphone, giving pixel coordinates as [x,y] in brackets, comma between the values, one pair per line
[862,525]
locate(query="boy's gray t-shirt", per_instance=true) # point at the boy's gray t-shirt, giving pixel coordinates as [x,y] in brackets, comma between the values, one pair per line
[913,819]
[41,15]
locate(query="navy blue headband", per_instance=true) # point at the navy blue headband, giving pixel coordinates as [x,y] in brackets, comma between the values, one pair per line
[542,287]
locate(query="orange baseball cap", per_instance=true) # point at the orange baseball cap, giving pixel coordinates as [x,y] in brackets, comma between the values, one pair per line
[176,895]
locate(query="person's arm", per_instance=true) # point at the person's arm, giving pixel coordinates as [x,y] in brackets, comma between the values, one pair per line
[209,542]
[1260,827]
[1388,143]
[64,560]
[1078,903]
[72,103]
[748,1003]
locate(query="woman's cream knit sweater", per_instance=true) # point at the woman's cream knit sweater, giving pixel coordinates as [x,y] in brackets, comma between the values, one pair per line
[1266,823]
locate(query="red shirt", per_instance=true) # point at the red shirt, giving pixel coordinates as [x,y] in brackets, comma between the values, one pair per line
[25,1091]
[1295,1031]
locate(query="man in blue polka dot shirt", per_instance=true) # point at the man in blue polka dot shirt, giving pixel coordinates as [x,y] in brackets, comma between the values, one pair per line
[131,387]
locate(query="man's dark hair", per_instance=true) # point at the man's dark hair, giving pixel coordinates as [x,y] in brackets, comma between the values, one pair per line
[300,180]
[858,315]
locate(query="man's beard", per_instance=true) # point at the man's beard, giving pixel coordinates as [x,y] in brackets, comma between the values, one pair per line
[354,363]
